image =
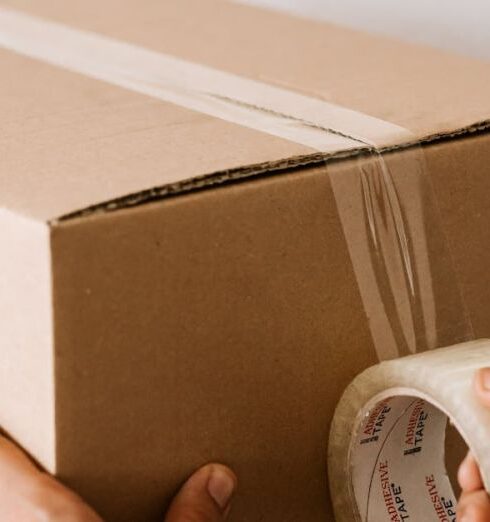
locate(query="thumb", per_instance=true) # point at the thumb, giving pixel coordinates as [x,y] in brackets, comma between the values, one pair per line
[205,497]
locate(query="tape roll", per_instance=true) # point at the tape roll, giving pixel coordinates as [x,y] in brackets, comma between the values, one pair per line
[386,452]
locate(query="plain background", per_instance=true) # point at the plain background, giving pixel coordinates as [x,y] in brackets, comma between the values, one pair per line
[462,26]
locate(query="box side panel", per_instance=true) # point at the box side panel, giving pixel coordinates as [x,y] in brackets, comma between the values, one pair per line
[460,172]
[26,362]
[217,326]
[224,325]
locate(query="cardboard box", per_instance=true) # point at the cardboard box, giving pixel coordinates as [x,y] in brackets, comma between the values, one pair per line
[176,288]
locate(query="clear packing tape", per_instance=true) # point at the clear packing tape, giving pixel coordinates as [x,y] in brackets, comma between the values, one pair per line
[399,253]
[386,457]
[386,454]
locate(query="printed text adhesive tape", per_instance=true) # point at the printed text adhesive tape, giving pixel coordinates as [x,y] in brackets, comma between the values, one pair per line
[386,451]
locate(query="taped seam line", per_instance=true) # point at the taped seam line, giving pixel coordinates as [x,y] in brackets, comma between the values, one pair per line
[249,172]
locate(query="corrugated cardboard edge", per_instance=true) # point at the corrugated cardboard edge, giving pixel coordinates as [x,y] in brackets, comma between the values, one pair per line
[254,171]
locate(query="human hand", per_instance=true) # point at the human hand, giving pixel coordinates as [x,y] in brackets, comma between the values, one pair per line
[474,504]
[30,495]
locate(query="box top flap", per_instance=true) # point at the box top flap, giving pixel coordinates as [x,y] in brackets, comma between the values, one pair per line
[71,142]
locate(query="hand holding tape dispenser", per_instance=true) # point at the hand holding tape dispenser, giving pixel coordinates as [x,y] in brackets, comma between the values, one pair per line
[386,454]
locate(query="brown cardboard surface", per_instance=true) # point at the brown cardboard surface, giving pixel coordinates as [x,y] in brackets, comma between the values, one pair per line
[414,87]
[232,322]
[218,348]
[419,88]
[102,136]
[222,324]
[461,181]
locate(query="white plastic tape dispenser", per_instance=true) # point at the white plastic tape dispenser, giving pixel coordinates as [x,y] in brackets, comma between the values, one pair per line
[386,453]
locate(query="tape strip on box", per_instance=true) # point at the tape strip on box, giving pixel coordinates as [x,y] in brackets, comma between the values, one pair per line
[399,253]
[386,453]
[305,120]
[386,205]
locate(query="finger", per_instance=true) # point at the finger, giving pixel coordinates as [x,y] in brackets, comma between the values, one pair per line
[474,507]
[28,494]
[469,476]
[205,497]
[15,466]
[482,386]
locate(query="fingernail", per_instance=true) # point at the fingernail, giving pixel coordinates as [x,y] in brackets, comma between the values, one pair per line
[221,486]
[485,379]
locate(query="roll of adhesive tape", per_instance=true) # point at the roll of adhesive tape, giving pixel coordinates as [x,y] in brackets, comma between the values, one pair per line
[386,453]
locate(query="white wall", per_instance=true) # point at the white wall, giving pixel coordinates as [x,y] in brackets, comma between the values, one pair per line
[460,25]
